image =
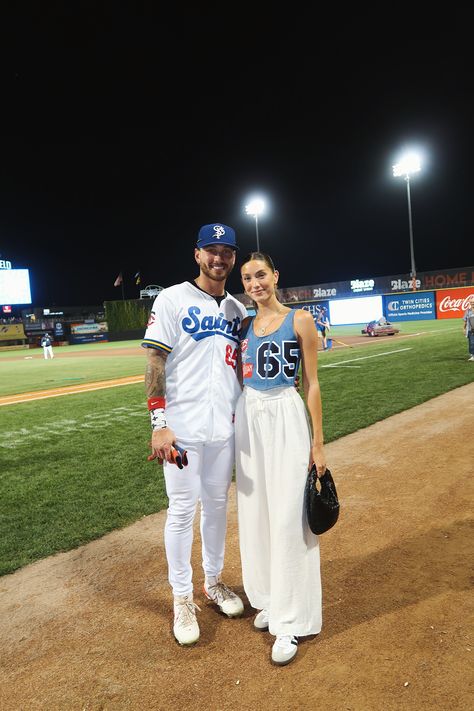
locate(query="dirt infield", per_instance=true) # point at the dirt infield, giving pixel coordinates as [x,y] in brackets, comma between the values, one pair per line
[91,629]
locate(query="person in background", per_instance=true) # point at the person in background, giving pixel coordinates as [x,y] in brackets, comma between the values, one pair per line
[191,382]
[322,324]
[468,325]
[275,448]
[47,345]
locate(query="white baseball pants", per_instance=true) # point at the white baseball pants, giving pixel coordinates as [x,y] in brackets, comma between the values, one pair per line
[206,478]
[279,554]
[48,351]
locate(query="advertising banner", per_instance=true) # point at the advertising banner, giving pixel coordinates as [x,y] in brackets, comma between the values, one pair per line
[12,332]
[34,328]
[88,332]
[336,290]
[87,338]
[448,278]
[88,328]
[418,306]
[451,303]
[314,307]
[364,286]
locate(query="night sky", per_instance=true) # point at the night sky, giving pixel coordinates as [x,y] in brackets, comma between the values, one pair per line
[124,130]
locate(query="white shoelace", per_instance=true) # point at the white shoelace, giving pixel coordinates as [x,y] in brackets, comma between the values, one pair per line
[220,593]
[186,613]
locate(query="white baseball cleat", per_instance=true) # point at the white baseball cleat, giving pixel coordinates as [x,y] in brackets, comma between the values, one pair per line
[185,628]
[228,602]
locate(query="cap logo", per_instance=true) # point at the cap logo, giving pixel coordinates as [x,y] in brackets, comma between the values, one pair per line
[216,233]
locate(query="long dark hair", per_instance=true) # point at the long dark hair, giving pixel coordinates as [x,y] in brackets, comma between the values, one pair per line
[262,257]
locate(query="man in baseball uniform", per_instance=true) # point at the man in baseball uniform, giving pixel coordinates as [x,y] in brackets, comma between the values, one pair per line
[322,324]
[192,387]
[47,344]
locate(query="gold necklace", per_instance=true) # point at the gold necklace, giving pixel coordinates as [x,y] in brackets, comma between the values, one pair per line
[263,329]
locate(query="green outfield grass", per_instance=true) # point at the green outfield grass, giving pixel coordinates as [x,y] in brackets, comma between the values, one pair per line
[433,326]
[394,373]
[74,467]
[27,370]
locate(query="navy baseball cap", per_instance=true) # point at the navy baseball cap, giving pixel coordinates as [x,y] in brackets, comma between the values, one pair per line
[216,233]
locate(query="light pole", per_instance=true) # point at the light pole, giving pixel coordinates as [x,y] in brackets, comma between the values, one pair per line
[407,165]
[255,208]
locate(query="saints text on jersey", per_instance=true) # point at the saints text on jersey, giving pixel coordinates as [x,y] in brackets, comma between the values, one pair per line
[210,325]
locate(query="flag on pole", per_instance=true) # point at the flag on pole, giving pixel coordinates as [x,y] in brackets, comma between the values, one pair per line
[137,278]
[118,280]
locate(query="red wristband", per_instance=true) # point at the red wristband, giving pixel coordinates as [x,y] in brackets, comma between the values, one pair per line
[156,402]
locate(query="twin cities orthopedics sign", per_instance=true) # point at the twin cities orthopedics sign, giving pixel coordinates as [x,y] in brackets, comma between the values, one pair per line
[452,303]
[410,307]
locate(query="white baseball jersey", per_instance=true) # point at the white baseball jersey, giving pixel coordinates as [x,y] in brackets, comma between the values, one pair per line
[201,339]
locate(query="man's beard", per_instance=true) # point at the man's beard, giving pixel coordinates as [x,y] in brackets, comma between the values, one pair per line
[211,274]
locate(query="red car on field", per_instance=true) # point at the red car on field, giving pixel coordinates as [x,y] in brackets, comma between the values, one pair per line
[382,327]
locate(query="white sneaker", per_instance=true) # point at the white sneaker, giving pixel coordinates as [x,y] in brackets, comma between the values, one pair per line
[284,649]
[471,358]
[261,620]
[228,602]
[185,628]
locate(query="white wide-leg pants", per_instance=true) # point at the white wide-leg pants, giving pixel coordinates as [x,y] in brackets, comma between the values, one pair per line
[206,478]
[279,554]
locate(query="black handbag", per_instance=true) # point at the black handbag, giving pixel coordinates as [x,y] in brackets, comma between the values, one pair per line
[321,504]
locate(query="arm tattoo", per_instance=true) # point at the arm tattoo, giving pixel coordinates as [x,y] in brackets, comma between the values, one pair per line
[155,380]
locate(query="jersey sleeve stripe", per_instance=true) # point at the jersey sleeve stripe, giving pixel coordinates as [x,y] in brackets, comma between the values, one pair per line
[150,343]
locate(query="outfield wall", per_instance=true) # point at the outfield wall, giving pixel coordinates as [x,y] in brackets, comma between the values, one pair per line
[436,294]
[395,284]
[403,306]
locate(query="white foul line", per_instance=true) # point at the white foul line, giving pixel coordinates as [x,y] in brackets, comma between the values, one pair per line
[71,390]
[342,363]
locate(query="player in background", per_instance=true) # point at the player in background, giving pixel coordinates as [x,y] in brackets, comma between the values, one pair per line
[47,345]
[323,326]
[275,448]
[468,319]
[192,387]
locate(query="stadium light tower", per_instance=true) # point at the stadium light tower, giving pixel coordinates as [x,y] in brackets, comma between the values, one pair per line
[410,163]
[255,208]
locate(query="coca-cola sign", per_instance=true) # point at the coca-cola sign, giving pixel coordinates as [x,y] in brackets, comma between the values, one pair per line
[452,303]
